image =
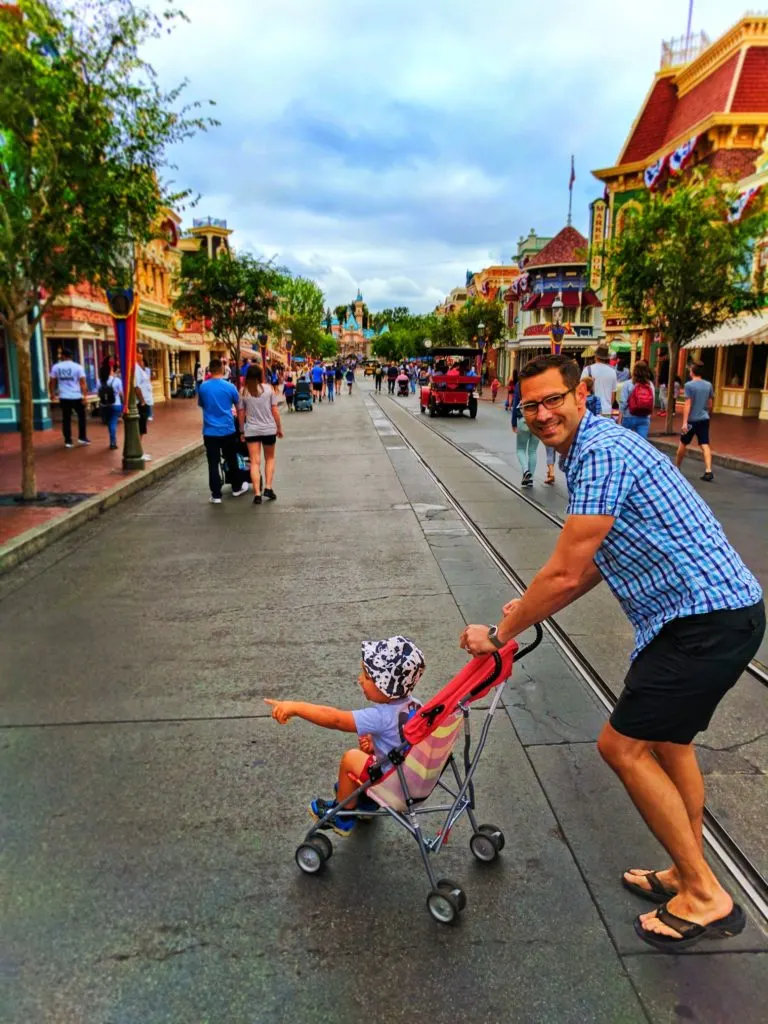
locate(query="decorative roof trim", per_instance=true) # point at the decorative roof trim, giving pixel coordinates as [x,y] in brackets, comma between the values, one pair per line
[752,30]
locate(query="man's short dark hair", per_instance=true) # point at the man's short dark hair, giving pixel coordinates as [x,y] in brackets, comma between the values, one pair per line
[569,368]
[215,366]
[66,353]
[698,369]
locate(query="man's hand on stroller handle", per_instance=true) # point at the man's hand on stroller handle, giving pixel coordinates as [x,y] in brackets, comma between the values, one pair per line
[366,744]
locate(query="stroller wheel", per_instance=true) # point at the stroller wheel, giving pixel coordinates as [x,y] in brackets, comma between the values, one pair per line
[447,885]
[325,844]
[483,847]
[309,856]
[495,833]
[443,906]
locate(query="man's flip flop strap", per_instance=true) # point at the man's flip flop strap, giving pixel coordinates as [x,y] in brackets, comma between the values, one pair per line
[658,893]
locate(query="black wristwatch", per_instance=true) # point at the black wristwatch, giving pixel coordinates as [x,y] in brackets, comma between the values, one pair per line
[493,636]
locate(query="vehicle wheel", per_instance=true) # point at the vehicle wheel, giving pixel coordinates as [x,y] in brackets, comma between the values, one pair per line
[443,907]
[449,886]
[423,409]
[483,847]
[309,856]
[473,408]
[326,846]
[495,833]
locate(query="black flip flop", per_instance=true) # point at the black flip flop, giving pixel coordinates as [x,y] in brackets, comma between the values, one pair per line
[691,933]
[658,893]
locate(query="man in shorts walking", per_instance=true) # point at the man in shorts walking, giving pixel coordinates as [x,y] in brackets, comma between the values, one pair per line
[698,616]
[698,404]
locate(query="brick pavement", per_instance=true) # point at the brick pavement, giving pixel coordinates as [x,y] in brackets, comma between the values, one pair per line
[85,470]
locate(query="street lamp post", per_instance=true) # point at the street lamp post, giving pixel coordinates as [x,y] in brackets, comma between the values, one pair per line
[263,338]
[557,328]
[123,305]
[481,345]
[289,345]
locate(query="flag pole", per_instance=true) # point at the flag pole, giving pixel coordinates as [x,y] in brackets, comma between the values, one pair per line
[570,191]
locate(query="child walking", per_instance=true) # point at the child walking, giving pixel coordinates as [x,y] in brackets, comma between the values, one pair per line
[389,671]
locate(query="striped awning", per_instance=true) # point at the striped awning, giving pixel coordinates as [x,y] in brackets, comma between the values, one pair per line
[742,331]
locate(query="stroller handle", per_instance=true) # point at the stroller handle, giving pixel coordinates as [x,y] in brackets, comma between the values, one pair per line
[532,646]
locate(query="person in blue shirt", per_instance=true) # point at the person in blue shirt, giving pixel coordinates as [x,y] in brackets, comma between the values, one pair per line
[698,615]
[218,398]
[318,375]
[330,377]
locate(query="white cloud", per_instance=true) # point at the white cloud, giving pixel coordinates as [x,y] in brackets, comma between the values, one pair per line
[393,145]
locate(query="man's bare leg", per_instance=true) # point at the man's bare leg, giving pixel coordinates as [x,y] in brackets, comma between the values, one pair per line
[700,897]
[680,455]
[706,451]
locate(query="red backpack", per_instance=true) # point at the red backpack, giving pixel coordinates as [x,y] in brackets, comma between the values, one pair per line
[640,401]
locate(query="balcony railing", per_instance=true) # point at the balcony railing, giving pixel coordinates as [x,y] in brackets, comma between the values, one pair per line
[683,49]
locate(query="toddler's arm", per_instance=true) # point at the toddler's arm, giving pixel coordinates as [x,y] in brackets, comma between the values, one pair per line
[318,714]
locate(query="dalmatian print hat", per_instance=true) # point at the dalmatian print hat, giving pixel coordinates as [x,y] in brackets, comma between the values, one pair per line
[395,665]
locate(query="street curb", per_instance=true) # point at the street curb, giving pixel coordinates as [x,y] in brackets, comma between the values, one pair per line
[29,543]
[726,461]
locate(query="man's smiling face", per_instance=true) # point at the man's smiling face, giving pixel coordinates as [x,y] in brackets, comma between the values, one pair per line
[555,427]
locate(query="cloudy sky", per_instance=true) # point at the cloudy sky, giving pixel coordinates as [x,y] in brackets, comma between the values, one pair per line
[393,144]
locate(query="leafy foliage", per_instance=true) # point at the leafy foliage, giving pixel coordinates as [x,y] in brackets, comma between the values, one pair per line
[679,266]
[232,294]
[301,310]
[406,335]
[85,135]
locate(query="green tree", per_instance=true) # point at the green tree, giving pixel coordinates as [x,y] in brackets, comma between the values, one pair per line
[490,313]
[327,347]
[340,313]
[448,331]
[301,309]
[681,268]
[234,293]
[85,132]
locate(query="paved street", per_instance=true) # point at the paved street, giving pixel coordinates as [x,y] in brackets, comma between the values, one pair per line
[152,807]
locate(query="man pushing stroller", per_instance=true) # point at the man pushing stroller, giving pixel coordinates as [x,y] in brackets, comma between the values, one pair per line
[390,670]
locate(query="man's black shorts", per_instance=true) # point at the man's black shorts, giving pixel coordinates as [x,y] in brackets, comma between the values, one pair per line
[675,683]
[317,385]
[701,431]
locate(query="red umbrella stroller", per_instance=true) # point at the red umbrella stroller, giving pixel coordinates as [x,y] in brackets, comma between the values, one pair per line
[402,786]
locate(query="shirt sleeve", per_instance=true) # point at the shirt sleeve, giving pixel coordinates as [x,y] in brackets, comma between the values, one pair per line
[370,720]
[602,485]
[688,391]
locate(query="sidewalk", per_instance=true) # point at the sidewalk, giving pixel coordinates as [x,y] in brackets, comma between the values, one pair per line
[84,470]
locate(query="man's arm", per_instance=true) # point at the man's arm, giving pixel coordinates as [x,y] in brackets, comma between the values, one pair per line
[568,575]
[52,387]
[318,714]
[686,413]
[84,387]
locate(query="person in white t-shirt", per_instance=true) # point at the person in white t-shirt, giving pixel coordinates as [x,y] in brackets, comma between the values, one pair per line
[144,397]
[605,379]
[68,378]
[390,670]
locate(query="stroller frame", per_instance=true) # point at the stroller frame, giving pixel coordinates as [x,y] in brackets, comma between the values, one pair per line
[446,899]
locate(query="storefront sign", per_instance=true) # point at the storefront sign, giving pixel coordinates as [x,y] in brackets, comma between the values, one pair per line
[616,321]
[598,235]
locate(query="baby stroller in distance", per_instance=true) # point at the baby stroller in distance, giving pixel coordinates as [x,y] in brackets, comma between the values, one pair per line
[402,787]
[187,387]
[302,400]
[402,387]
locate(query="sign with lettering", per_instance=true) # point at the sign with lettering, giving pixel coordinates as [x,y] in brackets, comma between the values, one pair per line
[598,235]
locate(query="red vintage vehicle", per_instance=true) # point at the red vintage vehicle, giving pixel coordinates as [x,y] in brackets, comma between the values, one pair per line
[447,393]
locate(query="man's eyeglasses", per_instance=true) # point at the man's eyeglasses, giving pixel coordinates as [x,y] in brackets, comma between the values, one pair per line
[550,402]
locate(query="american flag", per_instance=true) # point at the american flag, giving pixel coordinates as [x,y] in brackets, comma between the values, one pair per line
[653,173]
[682,155]
[738,208]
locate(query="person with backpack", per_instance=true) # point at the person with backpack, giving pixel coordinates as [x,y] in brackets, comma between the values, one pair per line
[110,398]
[637,400]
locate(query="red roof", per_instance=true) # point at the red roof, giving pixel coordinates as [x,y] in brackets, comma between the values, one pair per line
[708,97]
[652,124]
[752,90]
[568,246]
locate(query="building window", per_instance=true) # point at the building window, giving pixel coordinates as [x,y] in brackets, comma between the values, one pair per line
[56,346]
[759,364]
[586,315]
[5,383]
[89,365]
[735,365]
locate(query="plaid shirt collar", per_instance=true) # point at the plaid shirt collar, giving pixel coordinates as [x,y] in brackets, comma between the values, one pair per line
[582,432]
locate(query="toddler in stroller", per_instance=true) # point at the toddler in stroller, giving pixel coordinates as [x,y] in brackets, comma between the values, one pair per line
[402,385]
[405,752]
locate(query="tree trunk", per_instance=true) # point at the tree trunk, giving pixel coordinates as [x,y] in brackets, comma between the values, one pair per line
[20,335]
[674,352]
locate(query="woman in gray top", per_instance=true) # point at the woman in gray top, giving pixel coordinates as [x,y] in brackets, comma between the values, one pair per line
[260,428]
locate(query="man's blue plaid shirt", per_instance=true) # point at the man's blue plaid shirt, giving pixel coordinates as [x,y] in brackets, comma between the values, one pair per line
[666,555]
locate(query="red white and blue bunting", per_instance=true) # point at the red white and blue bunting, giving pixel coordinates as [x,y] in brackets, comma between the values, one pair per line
[519,286]
[744,200]
[682,156]
[652,173]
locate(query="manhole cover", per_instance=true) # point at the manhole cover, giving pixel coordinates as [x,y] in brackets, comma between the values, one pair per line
[43,500]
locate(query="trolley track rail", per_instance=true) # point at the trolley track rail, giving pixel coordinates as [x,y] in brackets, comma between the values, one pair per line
[755,668]
[717,836]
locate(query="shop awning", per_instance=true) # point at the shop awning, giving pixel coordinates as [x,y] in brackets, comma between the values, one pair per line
[546,300]
[532,302]
[588,298]
[571,299]
[745,329]
[147,336]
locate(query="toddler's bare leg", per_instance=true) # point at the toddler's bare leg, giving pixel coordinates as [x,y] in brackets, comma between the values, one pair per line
[353,761]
